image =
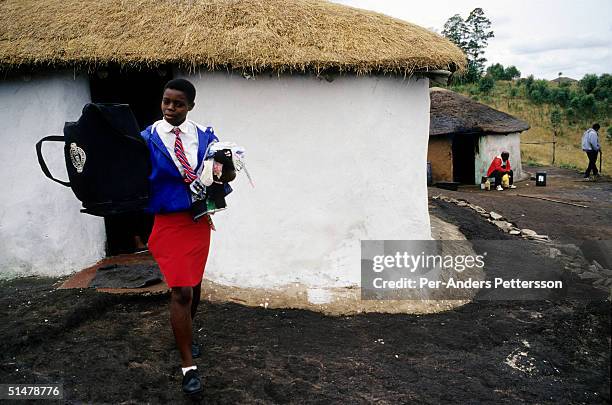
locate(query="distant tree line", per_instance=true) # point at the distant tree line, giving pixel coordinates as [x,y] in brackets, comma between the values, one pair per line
[591,98]
[498,72]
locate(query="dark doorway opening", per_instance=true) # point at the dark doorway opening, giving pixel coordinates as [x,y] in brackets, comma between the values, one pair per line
[142,90]
[464,153]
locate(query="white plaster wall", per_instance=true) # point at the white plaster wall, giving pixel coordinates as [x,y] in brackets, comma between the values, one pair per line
[333,162]
[41,228]
[490,146]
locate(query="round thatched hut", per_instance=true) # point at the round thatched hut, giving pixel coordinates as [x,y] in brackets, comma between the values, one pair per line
[465,135]
[331,103]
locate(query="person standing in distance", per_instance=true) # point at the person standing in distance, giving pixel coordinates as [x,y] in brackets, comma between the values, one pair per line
[590,144]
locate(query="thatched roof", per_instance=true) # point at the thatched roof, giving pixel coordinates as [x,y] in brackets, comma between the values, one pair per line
[453,113]
[279,35]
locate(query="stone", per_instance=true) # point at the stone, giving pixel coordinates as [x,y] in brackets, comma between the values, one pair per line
[553,252]
[589,275]
[514,232]
[485,214]
[599,282]
[453,200]
[541,237]
[528,232]
[503,225]
[495,215]
[607,272]
[435,197]
[598,266]
[571,250]
[480,210]
[576,267]
[462,204]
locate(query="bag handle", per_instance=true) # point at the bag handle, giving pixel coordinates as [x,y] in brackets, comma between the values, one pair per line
[99,107]
[41,160]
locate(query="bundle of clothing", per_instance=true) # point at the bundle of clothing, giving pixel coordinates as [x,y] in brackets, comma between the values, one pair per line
[223,160]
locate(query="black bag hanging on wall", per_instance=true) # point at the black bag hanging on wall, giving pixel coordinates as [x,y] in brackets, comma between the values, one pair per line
[107,160]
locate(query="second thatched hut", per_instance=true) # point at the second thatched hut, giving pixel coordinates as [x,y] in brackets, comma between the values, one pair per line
[465,135]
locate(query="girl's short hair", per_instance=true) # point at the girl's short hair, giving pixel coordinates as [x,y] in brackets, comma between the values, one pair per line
[182,85]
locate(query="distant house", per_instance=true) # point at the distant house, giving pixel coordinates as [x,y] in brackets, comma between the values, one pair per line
[315,91]
[563,80]
[465,135]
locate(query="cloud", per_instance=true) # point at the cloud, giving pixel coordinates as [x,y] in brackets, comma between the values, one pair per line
[561,44]
[572,62]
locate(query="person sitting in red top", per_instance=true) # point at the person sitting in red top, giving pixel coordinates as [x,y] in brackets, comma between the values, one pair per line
[500,166]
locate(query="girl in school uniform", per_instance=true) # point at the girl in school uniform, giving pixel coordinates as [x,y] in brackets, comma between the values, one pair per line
[178,243]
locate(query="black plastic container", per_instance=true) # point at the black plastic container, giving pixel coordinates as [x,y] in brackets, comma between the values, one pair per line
[541,179]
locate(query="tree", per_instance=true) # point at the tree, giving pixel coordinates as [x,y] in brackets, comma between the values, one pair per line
[497,71]
[588,83]
[555,118]
[486,84]
[456,30]
[539,92]
[472,37]
[560,96]
[512,73]
[570,115]
[479,35]
[603,89]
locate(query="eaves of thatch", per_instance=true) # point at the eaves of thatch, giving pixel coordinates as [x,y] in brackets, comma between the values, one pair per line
[251,35]
[453,113]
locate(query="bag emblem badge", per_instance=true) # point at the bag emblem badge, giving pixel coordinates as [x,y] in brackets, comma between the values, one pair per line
[77,156]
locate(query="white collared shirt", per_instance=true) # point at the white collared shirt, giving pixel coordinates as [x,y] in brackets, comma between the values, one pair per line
[189,137]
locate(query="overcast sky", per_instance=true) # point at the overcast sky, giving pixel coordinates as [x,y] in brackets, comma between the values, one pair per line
[539,37]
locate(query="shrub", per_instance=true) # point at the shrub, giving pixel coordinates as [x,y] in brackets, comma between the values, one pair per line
[486,84]
[588,83]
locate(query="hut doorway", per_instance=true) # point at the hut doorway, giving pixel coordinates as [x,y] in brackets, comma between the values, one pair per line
[142,90]
[464,154]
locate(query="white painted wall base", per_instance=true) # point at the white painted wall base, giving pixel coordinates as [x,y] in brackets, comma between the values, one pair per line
[41,228]
[334,162]
[490,146]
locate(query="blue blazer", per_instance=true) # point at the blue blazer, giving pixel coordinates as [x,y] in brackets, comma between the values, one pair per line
[168,190]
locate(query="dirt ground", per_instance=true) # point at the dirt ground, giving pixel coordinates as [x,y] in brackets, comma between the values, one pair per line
[107,348]
[559,221]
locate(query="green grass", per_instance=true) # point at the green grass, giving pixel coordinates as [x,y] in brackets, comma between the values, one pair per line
[529,161]
[568,166]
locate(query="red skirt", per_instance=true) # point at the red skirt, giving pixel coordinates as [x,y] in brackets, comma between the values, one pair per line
[180,248]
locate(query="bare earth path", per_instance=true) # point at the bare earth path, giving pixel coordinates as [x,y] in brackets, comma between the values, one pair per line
[559,221]
[119,349]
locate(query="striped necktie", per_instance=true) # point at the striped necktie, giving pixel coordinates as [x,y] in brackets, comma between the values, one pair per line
[179,151]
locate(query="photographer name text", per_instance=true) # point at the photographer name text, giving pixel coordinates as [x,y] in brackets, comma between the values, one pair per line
[498,282]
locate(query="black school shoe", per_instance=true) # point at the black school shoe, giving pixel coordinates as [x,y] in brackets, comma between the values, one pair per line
[191,382]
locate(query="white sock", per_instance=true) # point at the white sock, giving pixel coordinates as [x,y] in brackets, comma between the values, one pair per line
[186,369]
